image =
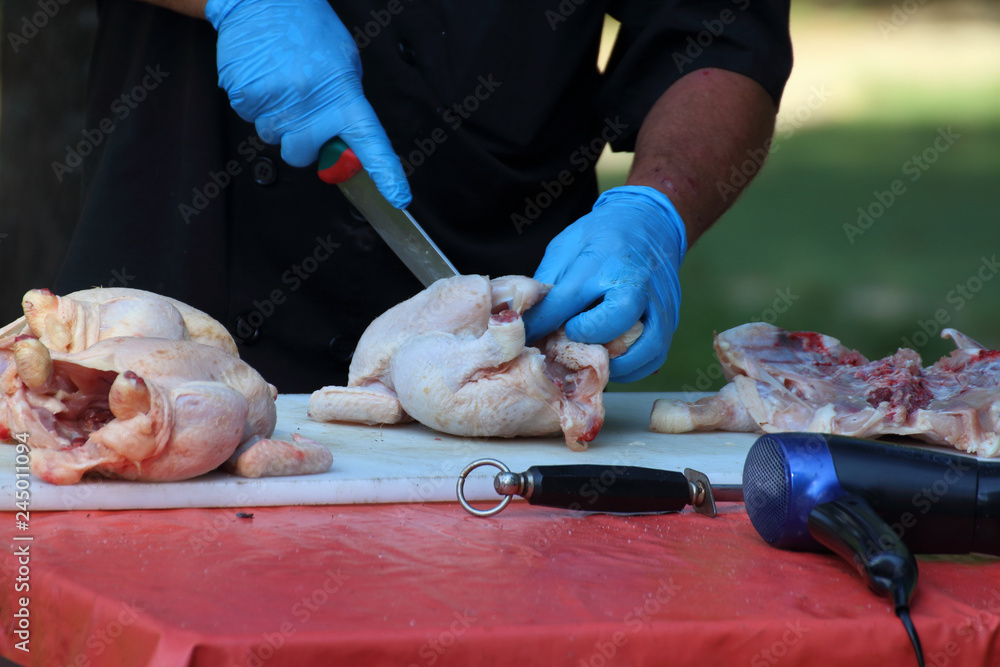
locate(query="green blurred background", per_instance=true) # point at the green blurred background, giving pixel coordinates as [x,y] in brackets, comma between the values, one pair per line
[874,84]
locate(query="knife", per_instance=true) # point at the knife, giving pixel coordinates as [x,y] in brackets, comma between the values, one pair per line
[339,165]
[603,488]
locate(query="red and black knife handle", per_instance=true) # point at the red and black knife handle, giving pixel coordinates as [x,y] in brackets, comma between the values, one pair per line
[337,163]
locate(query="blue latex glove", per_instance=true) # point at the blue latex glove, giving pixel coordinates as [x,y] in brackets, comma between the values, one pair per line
[626,254]
[292,68]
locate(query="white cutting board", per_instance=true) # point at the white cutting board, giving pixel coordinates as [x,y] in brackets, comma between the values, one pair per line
[402,463]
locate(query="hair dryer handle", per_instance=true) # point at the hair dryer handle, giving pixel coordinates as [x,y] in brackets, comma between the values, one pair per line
[849,527]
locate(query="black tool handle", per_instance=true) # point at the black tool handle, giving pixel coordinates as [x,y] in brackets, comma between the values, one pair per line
[604,488]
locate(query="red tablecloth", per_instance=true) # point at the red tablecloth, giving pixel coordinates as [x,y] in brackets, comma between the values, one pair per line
[430,585]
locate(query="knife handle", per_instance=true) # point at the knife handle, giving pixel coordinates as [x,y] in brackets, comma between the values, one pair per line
[603,488]
[337,162]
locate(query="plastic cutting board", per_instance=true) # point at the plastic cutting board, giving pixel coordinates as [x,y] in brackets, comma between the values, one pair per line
[401,464]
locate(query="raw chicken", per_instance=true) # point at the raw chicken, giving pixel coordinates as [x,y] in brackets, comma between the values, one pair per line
[113,381]
[146,409]
[76,321]
[267,457]
[803,381]
[454,358]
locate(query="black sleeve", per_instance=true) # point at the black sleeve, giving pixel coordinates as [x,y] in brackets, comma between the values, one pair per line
[659,42]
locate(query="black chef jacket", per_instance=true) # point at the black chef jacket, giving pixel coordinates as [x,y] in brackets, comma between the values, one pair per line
[496,108]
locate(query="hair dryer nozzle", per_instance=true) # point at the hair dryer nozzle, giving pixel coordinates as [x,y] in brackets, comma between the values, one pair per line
[785,476]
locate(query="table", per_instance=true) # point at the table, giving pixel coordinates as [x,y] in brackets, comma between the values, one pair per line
[428,584]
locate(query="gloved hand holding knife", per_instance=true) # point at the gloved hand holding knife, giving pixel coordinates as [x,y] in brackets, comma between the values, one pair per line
[627,251]
[292,68]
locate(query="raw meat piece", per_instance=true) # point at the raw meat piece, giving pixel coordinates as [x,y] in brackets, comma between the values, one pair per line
[266,457]
[131,384]
[454,358]
[74,322]
[145,409]
[803,381]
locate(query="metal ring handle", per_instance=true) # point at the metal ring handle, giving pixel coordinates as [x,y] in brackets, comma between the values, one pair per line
[461,487]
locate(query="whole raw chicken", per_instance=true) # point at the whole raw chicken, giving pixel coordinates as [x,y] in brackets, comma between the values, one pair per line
[454,358]
[131,384]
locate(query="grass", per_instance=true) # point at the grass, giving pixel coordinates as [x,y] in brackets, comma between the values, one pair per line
[786,237]
[919,265]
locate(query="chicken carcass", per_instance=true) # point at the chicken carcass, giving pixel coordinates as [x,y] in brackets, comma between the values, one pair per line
[454,358]
[74,322]
[144,409]
[804,381]
[130,384]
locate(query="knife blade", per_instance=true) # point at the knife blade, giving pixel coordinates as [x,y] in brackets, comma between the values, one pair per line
[401,232]
[604,488]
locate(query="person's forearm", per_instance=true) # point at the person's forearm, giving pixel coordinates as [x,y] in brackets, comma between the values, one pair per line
[195,8]
[703,125]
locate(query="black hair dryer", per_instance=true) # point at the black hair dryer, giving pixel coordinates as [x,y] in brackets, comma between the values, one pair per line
[872,503]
